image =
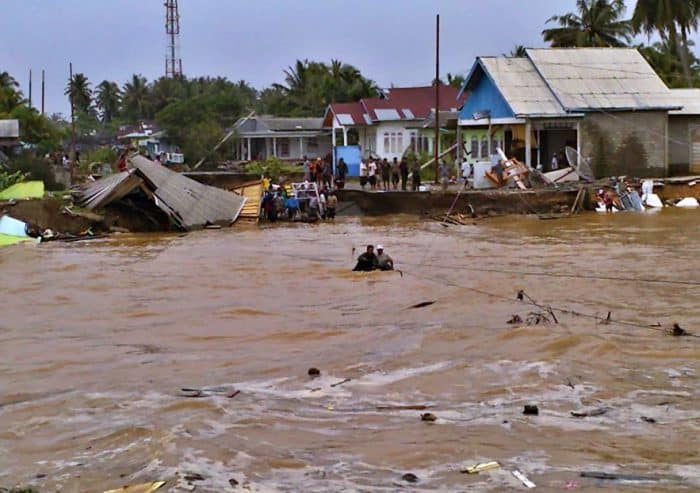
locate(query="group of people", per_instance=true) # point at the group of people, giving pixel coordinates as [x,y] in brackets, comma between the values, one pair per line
[307,204]
[369,261]
[322,174]
[385,175]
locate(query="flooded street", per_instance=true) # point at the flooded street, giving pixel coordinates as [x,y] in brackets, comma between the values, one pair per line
[99,337]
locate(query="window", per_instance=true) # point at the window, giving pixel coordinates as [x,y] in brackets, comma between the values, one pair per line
[387,147]
[414,147]
[494,144]
[399,142]
[426,145]
[474,148]
[283,147]
[393,142]
[484,154]
[312,143]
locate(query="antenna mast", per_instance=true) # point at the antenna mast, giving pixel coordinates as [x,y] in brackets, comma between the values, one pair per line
[173,62]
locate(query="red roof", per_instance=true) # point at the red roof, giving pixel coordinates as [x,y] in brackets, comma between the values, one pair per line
[400,103]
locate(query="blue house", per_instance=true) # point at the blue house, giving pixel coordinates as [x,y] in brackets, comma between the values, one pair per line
[607,103]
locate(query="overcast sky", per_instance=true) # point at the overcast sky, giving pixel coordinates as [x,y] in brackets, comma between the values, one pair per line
[390,41]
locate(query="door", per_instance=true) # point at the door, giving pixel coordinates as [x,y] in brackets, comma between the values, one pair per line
[695,149]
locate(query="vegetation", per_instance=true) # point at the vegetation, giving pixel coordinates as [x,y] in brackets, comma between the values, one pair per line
[597,23]
[272,168]
[7,179]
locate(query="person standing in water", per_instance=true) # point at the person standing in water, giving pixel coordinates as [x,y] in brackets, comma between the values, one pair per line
[367,261]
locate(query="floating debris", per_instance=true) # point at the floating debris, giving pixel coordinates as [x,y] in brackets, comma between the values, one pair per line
[481,467]
[314,372]
[139,488]
[422,304]
[531,410]
[429,417]
[647,419]
[678,331]
[341,382]
[515,319]
[410,477]
[626,477]
[233,482]
[590,413]
[523,479]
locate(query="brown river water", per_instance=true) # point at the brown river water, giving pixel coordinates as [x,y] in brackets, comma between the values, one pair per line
[99,337]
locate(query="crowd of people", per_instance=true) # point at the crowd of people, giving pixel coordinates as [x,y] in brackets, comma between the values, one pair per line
[380,174]
[307,203]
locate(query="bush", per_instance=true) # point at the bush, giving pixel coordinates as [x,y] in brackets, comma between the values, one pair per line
[36,169]
[7,179]
[271,168]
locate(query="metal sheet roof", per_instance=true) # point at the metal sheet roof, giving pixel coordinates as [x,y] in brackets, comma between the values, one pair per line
[188,203]
[384,114]
[600,78]
[522,87]
[9,129]
[345,119]
[689,99]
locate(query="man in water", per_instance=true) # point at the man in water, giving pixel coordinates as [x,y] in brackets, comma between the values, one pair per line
[384,261]
[367,261]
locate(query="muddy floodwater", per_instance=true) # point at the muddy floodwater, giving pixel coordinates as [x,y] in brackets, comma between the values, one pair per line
[98,339]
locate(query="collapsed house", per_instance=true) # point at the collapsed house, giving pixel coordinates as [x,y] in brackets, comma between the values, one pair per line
[186,203]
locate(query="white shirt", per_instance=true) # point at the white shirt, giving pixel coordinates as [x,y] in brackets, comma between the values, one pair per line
[363,169]
[372,168]
[466,169]
[555,162]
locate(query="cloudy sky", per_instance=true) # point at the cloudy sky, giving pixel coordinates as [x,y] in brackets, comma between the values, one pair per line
[390,41]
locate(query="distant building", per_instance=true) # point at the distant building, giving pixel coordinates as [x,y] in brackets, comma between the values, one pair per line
[391,124]
[9,137]
[151,140]
[257,137]
[608,103]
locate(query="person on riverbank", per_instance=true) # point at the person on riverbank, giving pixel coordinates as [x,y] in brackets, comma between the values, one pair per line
[467,171]
[328,175]
[367,261]
[395,173]
[403,169]
[320,172]
[341,172]
[331,206]
[384,261]
[415,177]
[372,173]
[364,174]
[386,175]
[444,175]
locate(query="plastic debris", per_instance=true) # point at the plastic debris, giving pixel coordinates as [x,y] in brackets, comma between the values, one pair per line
[688,202]
[481,467]
[139,488]
[531,410]
[430,417]
[523,479]
[590,413]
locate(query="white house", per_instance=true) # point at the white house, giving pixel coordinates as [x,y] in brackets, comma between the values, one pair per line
[390,124]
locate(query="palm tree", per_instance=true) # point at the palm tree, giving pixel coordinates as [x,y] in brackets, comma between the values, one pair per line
[597,23]
[667,17]
[10,95]
[136,102]
[108,98]
[79,92]
[519,51]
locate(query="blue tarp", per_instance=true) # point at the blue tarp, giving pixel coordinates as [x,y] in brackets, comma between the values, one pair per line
[352,156]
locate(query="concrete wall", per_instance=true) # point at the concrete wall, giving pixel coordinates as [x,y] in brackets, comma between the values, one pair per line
[679,145]
[626,143]
[400,144]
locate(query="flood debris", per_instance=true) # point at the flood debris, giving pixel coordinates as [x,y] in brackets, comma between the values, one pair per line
[408,407]
[531,410]
[314,372]
[409,477]
[428,417]
[346,380]
[627,477]
[647,419]
[480,467]
[590,413]
[233,482]
[678,331]
[423,304]
[538,318]
[188,204]
[193,476]
[523,479]
[515,319]
[233,394]
[185,392]
[139,488]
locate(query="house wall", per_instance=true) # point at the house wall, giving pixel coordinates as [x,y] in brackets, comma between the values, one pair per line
[398,138]
[626,143]
[679,145]
[478,136]
[264,147]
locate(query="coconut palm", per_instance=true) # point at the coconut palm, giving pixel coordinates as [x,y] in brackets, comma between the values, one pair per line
[455,80]
[597,23]
[10,95]
[519,51]
[136,102]
[108,99]
[79,92]
[668,17]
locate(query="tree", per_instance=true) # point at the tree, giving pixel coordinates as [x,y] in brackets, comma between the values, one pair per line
[79,92]
[668,17]
[108,100]
[664,58]
[10,95]
[597,23]
[519,51]
[136,101]
[455,80]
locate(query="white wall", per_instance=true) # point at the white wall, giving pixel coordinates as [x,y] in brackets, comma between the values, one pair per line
[399,139]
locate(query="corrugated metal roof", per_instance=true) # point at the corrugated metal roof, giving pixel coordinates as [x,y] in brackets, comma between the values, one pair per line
[345,119]
[188,203]
[384,114]
[9,129]
[521,86]
[600,78]
[688,98]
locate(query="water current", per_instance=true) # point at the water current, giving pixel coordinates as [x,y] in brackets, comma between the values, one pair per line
[98,338]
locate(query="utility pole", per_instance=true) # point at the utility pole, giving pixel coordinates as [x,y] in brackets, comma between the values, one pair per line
[436,145]
[43,91]
[71,154]
[30,88]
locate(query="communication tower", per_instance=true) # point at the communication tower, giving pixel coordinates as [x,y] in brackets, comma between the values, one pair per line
[173,62]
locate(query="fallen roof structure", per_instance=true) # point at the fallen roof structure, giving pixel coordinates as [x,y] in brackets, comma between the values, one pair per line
[188,204]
